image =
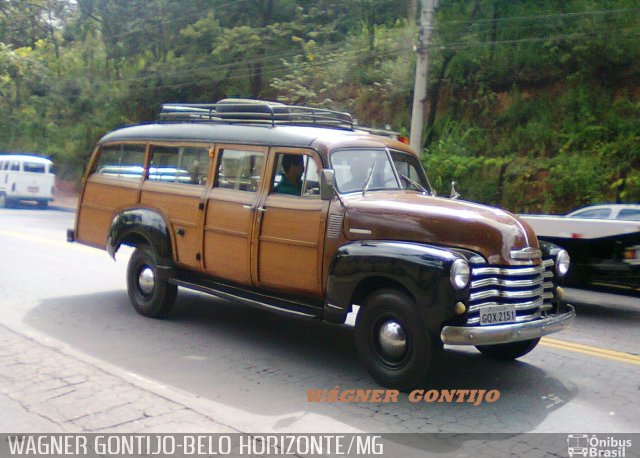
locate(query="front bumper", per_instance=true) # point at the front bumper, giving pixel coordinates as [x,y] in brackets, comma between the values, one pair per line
[505,333]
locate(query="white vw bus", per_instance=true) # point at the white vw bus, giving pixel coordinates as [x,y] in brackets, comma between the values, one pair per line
[25,178]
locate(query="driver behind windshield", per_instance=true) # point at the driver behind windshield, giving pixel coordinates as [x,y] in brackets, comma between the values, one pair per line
[359,169]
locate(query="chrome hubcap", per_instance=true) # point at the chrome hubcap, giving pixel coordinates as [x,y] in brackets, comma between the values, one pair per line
[392,338]
[146,280]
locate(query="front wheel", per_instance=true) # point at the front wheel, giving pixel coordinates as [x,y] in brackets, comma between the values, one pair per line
[392,341]
[149,293]
[508,351]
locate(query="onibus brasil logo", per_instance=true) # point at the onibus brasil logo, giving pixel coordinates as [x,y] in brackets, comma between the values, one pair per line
[593,446]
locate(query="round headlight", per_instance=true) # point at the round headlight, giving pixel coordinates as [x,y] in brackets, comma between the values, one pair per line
[460,274]
[562,263]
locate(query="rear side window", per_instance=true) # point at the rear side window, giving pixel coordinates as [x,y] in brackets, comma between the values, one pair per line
[14,166]
[240,170]
[179,164]
[629,214]
[33,167]
[123,161]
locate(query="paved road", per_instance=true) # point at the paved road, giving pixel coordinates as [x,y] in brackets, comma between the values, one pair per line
[224,364]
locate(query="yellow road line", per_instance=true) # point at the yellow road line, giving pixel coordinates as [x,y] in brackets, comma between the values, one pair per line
[592,351]
[57,243]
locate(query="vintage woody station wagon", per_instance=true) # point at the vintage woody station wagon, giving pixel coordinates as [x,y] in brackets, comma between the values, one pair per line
[296,210]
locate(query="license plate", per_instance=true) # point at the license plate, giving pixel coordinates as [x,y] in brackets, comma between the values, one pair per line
[33,189]
[497,314]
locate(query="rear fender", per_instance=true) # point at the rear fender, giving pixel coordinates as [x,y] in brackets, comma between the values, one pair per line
[132,227]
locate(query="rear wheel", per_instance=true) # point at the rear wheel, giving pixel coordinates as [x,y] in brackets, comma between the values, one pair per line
[150,294]
[508,351]
[392,340]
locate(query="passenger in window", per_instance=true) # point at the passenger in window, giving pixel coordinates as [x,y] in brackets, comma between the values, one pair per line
[291,182]
[196,174]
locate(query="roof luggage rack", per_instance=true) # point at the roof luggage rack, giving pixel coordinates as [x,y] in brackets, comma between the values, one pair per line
[247,111]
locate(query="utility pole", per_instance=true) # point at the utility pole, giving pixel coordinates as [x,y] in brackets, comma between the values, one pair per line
[422,74]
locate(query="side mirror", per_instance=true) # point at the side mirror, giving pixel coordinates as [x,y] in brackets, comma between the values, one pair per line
[327,184]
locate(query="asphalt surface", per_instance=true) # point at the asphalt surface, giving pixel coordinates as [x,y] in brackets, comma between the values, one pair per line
[74,356]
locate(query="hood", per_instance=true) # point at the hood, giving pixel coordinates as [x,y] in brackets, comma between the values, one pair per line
[409,216]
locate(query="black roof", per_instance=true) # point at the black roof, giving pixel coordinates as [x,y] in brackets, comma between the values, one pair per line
[294,136]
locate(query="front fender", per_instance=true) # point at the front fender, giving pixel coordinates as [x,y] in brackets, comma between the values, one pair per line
[359,268]
[140,225]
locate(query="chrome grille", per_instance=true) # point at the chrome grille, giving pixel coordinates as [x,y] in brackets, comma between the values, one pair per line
[528,289]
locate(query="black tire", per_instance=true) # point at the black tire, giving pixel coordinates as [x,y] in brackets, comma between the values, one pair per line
[156,297]
[411,362]
[508,351]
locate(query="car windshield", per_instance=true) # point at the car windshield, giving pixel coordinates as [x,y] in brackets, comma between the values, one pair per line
[376,169]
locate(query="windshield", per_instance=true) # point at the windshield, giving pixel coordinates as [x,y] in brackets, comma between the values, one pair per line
[376,169]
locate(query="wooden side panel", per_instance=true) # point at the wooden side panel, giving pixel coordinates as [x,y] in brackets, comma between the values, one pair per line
[103,197]
[227,234]
[290,244]
[179,204]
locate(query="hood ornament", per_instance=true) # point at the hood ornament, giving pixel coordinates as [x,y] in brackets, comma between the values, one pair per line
[454,194]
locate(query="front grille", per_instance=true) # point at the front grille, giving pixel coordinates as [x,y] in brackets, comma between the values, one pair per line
[529,289]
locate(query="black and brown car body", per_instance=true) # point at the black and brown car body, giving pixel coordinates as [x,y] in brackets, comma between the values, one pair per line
[423,270]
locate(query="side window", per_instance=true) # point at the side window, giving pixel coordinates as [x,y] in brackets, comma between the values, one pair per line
[15,166]
[196,161]
[629,214]
[296,175]
[240,170]
[34,167]
[600,213]
[179,164]
[123,161]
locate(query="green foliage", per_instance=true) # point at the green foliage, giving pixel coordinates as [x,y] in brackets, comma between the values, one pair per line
[534,106]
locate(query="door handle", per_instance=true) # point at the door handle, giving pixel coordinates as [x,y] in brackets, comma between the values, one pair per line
[248,207]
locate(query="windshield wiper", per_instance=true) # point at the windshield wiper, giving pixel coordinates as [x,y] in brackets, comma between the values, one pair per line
[414,183]
[368,182]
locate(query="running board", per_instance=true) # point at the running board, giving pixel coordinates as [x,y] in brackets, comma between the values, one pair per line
[251,298]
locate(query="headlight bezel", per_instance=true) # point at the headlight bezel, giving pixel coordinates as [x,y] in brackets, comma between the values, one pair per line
[460,274]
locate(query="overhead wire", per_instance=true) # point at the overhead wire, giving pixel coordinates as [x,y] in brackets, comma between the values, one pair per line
[545,16]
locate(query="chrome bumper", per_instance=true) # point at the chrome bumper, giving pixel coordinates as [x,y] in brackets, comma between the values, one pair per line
[505,333]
